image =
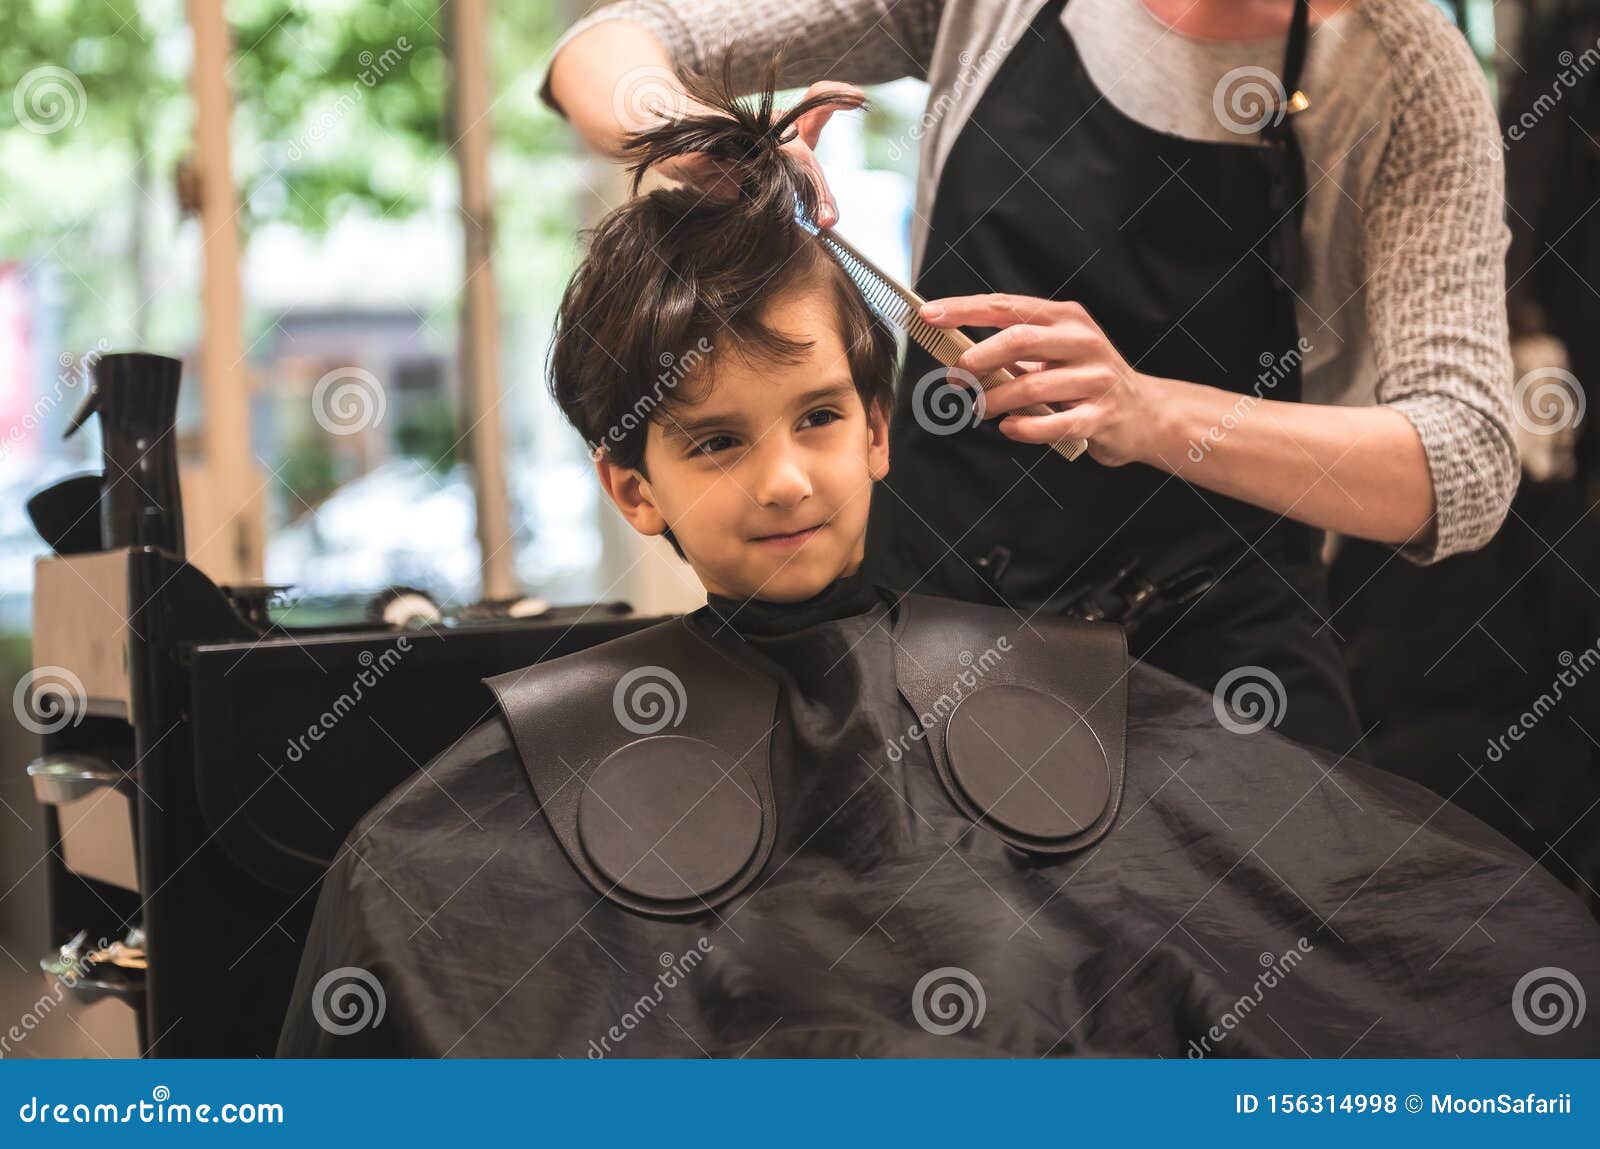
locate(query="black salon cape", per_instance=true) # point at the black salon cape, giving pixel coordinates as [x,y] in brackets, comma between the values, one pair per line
[1255,898]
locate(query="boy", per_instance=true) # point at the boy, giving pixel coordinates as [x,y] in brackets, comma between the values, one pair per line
[731,382]
[817,818]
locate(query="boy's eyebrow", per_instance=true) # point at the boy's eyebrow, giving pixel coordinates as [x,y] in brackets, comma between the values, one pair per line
[835,390]
[687,428]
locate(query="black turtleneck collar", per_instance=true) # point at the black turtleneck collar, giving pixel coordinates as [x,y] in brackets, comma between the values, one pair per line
[844,597]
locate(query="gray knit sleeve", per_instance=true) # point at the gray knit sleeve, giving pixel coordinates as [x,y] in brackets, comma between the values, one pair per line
[859,41]
[1435,243]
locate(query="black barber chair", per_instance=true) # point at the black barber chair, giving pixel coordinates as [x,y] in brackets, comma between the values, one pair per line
[202,764]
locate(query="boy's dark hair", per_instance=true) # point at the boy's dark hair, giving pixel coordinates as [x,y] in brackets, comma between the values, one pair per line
[675,276]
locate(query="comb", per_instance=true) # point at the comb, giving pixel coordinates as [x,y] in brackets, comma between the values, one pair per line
[901,308]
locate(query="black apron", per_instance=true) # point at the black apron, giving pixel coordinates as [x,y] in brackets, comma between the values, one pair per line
[1183,252]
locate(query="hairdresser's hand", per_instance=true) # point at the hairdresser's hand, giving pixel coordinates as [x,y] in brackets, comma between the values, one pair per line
[1061,358]
[715,179]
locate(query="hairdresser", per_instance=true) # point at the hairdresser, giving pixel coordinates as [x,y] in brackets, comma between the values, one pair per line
[1252,251]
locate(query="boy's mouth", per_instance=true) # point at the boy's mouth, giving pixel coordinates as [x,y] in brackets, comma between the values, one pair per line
[792,539]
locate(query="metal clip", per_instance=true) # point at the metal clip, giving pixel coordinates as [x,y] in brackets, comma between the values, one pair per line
[992,567]
[1128,596]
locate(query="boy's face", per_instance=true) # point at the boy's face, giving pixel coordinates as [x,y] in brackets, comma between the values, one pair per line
[766,479]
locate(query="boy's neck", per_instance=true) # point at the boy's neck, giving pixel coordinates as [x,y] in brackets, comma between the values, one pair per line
[848,595]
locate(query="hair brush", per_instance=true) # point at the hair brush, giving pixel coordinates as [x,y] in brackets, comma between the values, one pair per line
[901,308]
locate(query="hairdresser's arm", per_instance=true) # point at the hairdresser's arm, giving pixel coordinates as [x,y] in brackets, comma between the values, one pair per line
[1360,471]
[1357,470]
[600,61]
[594,67]
[605,104]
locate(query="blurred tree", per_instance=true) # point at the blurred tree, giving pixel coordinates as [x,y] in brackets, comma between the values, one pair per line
[85,79]
[427,431]
[309,472]
[339,103]
[340,107]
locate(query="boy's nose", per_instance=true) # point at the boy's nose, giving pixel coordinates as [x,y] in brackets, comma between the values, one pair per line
[782,482]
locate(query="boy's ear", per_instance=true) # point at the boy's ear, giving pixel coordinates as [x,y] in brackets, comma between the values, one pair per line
[877,441]
[631,493]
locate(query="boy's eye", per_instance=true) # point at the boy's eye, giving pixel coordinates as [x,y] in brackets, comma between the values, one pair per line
[711,444]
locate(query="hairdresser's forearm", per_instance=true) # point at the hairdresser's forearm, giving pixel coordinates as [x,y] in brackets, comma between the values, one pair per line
[602,77]
[1357,470]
